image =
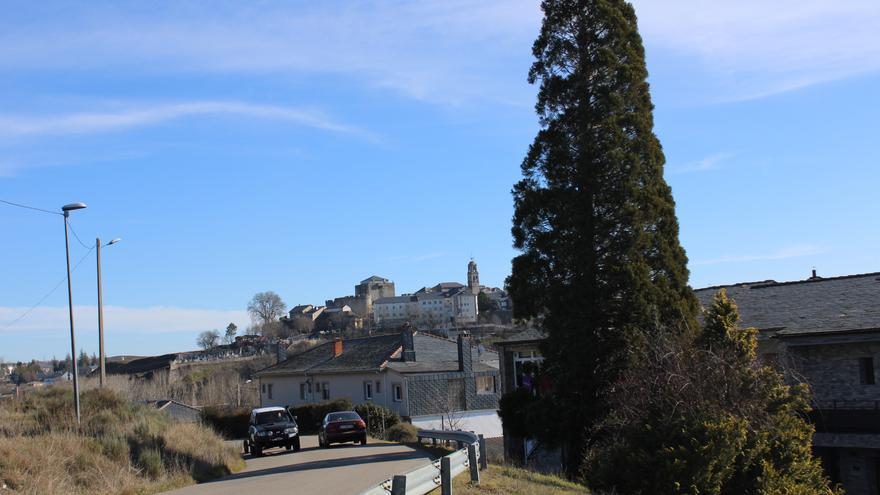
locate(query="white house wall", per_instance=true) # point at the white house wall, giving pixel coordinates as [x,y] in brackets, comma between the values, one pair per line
[285,389]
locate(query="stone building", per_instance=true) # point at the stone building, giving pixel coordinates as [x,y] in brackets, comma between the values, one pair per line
[518,355]
[428,380]
[825,332]
[447,303]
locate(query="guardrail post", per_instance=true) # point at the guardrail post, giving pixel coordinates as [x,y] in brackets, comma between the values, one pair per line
[445,476]
[484,457]
[472,463]
[398,485]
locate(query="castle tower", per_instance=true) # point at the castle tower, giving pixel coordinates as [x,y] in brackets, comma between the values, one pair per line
[473,278]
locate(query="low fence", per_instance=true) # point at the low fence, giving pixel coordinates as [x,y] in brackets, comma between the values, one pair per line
[470,457]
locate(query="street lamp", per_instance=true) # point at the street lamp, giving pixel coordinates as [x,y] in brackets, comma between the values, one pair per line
[67,209]
[102,361]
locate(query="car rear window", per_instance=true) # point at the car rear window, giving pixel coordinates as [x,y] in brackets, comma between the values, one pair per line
[271,417]
[342,416]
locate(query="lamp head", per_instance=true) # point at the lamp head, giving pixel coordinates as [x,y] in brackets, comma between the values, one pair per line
[73,206]
[114,241]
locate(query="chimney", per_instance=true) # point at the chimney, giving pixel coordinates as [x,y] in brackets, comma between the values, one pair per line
[337,347]
[280,352]
[464,353]
[409,349]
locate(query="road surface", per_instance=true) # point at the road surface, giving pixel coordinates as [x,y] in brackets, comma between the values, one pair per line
[340,470]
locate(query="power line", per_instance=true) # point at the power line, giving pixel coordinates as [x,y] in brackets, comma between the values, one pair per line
[23,315]
[29,207]
[81,243]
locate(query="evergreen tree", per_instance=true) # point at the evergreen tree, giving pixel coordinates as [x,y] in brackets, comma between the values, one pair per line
[601,265]
[703,416]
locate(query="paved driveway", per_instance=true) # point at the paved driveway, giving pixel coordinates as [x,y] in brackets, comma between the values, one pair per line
[340,470]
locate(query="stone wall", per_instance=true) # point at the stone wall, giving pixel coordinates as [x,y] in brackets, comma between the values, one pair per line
[833,372]
[437,393]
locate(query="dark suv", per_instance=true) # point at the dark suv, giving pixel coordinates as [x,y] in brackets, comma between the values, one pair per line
[271,427]
[341,427]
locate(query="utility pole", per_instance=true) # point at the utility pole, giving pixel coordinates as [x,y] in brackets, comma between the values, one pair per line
[102,357]
[101,363]
[67,209]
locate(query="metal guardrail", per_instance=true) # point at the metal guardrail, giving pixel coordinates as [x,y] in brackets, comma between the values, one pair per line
[471,457]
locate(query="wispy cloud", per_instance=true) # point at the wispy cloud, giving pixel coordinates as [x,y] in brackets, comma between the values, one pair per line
[752,48]
[782,254]
[711,162]
[441,51]
[159,319]
[128,118]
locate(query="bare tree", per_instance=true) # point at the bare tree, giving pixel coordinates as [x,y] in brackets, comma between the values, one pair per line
[451,414]
[231,330]
[208,339]
[266,308]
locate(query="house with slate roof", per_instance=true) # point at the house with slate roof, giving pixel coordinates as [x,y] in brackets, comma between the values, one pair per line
[426,379]
[825,332]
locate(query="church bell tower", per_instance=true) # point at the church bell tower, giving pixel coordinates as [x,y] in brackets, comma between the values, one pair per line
[473,278]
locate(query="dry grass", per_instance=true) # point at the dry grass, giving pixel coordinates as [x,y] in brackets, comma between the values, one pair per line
[120,448]
[197,385]
[508,480]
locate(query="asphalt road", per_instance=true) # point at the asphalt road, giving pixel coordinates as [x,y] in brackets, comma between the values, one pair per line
[340,470]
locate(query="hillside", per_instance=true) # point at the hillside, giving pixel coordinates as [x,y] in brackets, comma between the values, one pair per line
[120,447]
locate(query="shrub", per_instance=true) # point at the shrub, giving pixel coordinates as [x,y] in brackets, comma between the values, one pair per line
[150,462]
[402,433]
[309,416]
[231,422]
[378,418]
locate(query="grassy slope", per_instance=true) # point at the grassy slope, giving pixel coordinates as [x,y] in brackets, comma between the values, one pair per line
[120,448]
[514,481]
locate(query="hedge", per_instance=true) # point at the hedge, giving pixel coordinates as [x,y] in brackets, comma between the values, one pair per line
[310,416]
[231,422]
[378,418]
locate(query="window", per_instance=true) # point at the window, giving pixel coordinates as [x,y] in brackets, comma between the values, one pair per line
[866,370]
[378,387]
[368,390]
[325,389]
[302,391]
[524,365]
[485,385]
[263,387]
[397,392]
[269,388]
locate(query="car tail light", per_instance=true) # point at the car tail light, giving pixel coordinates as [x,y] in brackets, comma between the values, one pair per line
[360,423]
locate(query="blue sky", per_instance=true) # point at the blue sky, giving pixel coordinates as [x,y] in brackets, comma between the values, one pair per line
[303,146]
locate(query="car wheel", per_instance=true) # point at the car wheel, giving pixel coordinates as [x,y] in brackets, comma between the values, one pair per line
[246,447]
[296,445]
[364,440]
[288,447]
[257,451]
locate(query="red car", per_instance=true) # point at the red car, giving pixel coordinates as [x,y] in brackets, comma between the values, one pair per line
[341,427]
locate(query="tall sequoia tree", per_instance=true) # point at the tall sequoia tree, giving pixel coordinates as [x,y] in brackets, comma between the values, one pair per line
[600,265]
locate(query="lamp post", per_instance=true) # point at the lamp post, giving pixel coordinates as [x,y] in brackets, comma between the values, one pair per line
[67,209]
[101,358]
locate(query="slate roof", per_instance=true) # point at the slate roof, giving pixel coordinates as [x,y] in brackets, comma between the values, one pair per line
[141,365]
[374,278]
[808,307]
[527,335]
[433,354]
